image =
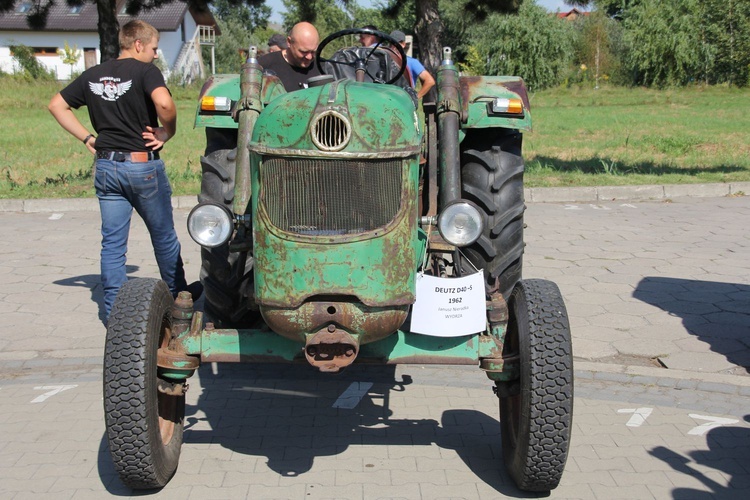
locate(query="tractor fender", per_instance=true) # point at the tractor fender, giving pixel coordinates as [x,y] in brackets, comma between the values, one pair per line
[229,86]
[477,94]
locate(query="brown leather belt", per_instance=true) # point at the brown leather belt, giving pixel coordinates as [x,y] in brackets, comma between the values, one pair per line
[134,157]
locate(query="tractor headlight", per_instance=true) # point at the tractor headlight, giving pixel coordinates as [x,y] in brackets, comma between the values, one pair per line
[210,225]
[460,223]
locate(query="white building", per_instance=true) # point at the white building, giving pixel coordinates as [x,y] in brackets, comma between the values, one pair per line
[182,30]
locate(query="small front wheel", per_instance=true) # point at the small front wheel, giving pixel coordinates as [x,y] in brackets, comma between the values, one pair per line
[144,425]
[536,415]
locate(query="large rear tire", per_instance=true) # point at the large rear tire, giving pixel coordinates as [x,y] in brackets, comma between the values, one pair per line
[536,415]
[492,177]
[144,426]
[227,277]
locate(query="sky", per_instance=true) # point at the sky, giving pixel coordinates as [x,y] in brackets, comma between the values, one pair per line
[278,7]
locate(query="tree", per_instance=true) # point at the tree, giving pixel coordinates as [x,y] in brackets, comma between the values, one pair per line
[727,32]
[327,16]
[532,44]
[474,65]
[428,26]
[596,43]
[70,55]
[615,9]
[241,26]
[674,42]
[330,17]
[252,17]
[665,42]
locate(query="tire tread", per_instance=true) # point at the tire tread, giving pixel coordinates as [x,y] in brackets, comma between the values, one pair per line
[129,363]
[537,465]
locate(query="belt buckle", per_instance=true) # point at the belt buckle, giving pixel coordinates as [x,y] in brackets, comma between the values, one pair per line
[139,157]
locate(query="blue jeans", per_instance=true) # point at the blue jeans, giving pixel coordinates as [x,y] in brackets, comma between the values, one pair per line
[121,187]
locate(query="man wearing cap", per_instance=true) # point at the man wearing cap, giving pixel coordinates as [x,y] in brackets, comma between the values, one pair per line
[277,42]
[296,63]
[416,68]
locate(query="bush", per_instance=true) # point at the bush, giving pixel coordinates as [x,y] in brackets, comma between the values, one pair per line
[532,44]
[30,64]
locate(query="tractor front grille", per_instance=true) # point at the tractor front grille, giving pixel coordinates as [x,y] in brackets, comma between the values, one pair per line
[330,197]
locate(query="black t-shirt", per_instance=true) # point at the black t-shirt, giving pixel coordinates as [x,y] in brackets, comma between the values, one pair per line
[292,77]
[117,94]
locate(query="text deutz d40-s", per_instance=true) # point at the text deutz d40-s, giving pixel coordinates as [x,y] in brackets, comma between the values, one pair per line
[321,211]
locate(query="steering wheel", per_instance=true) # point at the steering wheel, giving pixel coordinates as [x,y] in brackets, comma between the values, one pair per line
[359,63]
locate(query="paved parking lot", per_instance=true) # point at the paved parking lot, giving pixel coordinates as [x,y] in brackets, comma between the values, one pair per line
[659,299]
[418,433]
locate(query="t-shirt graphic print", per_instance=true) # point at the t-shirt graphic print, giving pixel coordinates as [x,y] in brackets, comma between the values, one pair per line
[109,88]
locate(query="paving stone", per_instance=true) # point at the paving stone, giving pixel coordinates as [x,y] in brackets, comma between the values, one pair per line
[390,492]
[316,491]
[641,492]
[602,249]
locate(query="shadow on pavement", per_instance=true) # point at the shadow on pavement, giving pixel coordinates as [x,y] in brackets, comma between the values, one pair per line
[291,414]
[288,414]
[108,475]
[726,455]
[94,283]
[716,313]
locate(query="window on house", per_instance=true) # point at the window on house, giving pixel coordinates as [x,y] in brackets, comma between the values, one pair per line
[75,10]
[24,8]
[45,51]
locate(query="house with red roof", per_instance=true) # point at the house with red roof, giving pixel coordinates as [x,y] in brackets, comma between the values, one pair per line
[572,15]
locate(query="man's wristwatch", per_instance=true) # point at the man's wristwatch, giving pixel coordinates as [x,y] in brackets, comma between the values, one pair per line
[86,139]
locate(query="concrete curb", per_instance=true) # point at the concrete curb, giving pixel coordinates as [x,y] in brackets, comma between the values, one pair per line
[27,368]
[74,204]
[662,377]
[634,193]
[532,195]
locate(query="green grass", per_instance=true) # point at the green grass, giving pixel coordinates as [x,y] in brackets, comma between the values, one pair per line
[581,137]
[616,136]
[38,159]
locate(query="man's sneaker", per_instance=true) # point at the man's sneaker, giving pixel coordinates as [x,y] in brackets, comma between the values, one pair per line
[196,290]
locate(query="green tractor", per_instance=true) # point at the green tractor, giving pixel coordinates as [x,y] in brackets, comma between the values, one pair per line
[321,211]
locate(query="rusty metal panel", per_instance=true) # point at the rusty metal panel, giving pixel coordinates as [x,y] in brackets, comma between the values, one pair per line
[264,346]
[377,266]
[478,91]
[323,197]
[368,323]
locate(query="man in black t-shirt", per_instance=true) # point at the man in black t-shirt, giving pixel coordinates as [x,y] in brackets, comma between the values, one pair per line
[295,64]
[127,98]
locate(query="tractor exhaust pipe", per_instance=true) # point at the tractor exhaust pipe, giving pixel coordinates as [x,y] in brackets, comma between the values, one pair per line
[247,112]
[331,349]
[449,113]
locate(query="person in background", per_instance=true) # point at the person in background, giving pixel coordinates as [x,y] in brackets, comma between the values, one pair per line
[416,68]
[368,40]
[277,42]
[295,64]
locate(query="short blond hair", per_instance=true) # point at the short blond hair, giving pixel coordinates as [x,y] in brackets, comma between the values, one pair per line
[136,30]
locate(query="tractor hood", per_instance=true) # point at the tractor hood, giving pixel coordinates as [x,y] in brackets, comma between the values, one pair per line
[339,120]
